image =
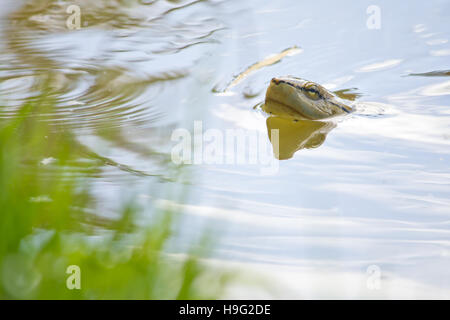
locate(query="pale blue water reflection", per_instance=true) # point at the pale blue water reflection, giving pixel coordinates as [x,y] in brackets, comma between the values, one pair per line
[376,192]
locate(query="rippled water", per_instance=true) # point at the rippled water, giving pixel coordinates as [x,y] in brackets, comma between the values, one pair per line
[368,189]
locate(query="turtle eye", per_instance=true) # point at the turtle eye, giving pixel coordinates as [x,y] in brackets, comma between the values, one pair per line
[314,95]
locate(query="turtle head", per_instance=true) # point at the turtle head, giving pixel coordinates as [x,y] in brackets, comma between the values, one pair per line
[307,99]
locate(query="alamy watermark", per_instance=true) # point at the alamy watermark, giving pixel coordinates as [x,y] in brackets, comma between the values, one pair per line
[74,279]
[73,22]
[226,147]
[373,281]
[374,20]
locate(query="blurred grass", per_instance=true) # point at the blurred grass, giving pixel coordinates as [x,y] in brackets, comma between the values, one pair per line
[46,226]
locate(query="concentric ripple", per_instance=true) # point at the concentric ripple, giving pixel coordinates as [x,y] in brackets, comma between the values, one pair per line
[121,75]
[110,73]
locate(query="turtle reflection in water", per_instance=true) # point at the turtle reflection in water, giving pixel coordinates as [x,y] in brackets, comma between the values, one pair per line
[294,136]
[296,106]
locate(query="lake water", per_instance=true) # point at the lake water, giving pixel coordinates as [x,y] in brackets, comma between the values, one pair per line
[358,207]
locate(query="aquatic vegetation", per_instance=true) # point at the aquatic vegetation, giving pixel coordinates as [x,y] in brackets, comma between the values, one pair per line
[49,226]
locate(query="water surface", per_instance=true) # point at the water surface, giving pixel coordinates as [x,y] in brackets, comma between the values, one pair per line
[370,189]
